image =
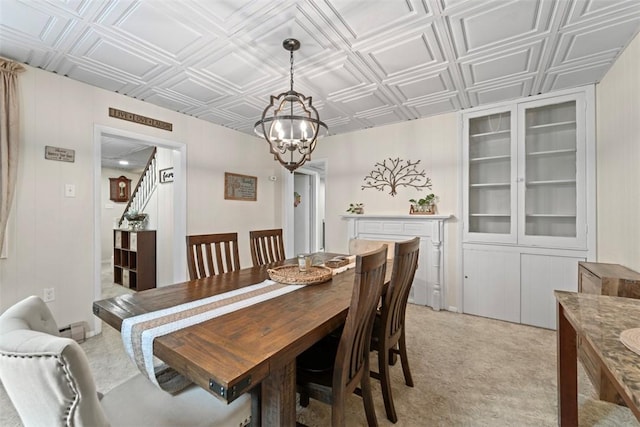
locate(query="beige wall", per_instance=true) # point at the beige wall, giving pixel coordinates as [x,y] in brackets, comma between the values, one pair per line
[618,157]
[352,156]
[51,238]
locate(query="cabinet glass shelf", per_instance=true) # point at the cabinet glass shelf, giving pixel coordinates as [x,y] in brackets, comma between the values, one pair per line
[490,158]
[497,132]
[551,182]
[551,215]
[551,125]
[490,184]
[551,152]
[497,215]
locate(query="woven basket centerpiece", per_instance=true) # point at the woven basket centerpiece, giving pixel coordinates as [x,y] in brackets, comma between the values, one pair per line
[291,275]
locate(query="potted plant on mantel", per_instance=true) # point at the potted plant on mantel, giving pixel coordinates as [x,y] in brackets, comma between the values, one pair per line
[425,206]
[356,208]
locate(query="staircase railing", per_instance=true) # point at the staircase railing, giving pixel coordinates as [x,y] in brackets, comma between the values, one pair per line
[145,186]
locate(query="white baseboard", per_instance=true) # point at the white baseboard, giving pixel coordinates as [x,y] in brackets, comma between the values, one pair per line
[452,309]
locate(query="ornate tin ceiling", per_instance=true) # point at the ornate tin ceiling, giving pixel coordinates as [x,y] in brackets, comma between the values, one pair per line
[366,63]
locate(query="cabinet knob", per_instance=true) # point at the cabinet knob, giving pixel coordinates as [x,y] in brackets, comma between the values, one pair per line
[466,277]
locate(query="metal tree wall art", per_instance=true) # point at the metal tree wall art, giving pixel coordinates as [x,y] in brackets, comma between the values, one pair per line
[396,173]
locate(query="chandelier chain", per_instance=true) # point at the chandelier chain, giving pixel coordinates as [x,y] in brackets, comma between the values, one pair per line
[292,71]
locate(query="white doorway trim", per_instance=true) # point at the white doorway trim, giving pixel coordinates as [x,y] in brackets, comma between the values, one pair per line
[179,203]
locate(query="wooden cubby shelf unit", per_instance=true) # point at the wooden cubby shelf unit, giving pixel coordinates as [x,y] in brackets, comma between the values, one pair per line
[134,259]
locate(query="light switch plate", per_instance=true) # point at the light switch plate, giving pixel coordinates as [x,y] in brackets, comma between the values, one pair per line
[69,190]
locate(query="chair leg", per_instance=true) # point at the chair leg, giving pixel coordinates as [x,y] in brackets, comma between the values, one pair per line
[304,399]
[393,357]
[405,360]
[367,399]
[385,383]
[337,411]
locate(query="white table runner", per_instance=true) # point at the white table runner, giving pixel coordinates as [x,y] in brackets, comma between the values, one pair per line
[138,332]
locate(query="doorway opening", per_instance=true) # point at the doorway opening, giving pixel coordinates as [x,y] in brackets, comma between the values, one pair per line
[170,227]
[304,210]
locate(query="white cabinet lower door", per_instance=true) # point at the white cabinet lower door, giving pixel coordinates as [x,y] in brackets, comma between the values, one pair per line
[492,284]
[541,275]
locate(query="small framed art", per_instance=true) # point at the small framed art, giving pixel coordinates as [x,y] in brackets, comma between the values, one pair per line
[240,187]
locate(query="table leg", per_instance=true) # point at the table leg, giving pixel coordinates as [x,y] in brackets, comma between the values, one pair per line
[256,406]
[279,397]
[567,372]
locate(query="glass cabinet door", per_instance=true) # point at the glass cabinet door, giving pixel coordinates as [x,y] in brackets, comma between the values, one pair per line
[551,181]
[490,170]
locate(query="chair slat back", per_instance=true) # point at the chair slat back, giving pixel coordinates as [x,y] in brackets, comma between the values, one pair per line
[266,246]
[352,358]
[212,254]
[405,263]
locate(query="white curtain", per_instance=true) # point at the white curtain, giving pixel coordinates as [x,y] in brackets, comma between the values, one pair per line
[9,138]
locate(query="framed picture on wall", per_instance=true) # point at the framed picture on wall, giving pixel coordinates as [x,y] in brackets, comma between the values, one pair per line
[119,189]
[240,187]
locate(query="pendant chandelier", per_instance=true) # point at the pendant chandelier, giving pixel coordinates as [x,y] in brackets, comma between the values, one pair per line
[290,124]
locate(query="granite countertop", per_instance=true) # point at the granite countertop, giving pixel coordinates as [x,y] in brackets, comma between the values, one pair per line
[600,320]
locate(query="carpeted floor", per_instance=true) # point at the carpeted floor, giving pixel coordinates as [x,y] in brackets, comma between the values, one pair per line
[467,370]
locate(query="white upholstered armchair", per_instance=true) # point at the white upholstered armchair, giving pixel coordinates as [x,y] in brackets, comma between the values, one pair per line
[49,382]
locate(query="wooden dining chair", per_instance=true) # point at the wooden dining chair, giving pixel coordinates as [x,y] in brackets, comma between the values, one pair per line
[388,336]
[360,246]
[266,246]
[211,254]
[332,369]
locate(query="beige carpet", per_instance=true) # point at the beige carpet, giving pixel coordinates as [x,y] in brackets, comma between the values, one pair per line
[468,371]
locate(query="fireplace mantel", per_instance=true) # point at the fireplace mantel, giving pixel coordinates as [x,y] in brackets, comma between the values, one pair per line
[428,284]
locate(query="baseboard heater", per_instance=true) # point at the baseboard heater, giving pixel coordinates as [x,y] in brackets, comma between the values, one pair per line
[76,331]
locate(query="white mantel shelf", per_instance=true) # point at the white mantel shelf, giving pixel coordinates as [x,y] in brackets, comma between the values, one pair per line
[428,284]
[397,216]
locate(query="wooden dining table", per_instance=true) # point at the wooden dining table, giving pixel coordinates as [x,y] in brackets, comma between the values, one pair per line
[598,321]
[249,350]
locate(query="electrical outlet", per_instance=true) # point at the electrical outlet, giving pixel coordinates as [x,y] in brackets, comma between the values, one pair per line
[49,294]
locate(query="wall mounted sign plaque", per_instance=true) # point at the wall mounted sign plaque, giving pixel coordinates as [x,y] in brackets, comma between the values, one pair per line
[131,117]
[59,154]
[240,187]
[166,175]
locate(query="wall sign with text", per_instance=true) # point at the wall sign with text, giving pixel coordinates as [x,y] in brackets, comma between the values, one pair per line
[240,187]
[166,175]
[59,154]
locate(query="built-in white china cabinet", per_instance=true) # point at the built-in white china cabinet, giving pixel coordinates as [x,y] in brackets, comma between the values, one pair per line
[528,203]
